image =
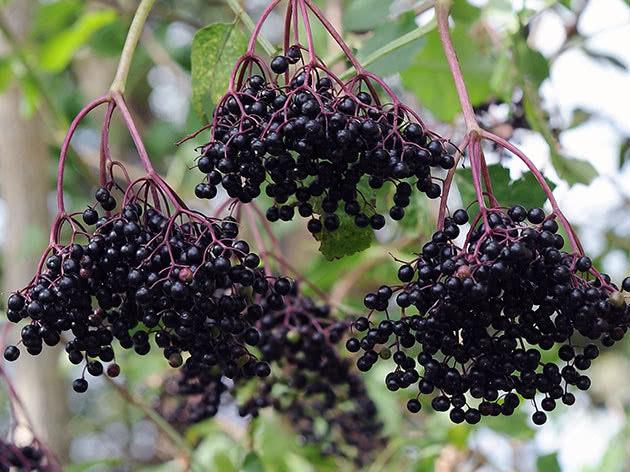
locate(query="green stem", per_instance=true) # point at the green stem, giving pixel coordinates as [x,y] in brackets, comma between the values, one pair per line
[245,18]
[393,46]
[133,35]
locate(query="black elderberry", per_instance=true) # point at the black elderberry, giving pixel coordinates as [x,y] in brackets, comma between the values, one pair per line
[80,385]
[539,418]
[11,353]
[314,226]
[279,64]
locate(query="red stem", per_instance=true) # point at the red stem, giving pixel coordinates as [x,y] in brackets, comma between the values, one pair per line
[475,168]
[309,34]
[252,42]
[336,36]
[575,242]
[441,12]
[66,145]
[105,155]
[144,156]
[446,186]
[486,179]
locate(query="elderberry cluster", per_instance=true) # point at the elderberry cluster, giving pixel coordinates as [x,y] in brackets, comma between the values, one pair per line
[481,315]
[310,382]
[23,459]
[314,141]
[184,280]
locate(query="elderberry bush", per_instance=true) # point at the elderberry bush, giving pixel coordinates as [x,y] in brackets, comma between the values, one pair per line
[23,458]
[310,142]
[183,279]
[310,382]
[480,316]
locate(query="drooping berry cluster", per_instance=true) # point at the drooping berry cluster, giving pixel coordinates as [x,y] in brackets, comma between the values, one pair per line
[312,141]
[25,458]
[182,278]
[310,382]
[482,314]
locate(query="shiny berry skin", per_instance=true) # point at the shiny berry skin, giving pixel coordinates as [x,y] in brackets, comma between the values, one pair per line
[11,353]
[80,385]
[279,64]
[414,406]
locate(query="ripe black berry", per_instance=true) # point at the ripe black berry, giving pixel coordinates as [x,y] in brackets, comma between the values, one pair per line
[80,385]
[279,64]
[11,353]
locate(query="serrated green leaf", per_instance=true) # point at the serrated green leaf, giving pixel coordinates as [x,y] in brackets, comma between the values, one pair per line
[429,76]
[348,238]
[363,15]
[214,51]
[252,463]
[57,52]
[386,33]
[524,191]
[6,73]
[624,152]
[548,463]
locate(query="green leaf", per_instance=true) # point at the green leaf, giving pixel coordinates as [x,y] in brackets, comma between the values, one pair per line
[83,466]
[386,33]
[57,52]
[30,97]
[503,80]
[364,15]
[548,463]
[514,426]
[348,238]
[252,463]
[465,12]
[50,18]
[531,65]
[430,78]
[463,179]
[574,171]
[524,191]
[624,152]
[6,73]
[214,51]
[110,39]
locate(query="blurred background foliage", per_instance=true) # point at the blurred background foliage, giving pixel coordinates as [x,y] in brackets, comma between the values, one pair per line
[550,75]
